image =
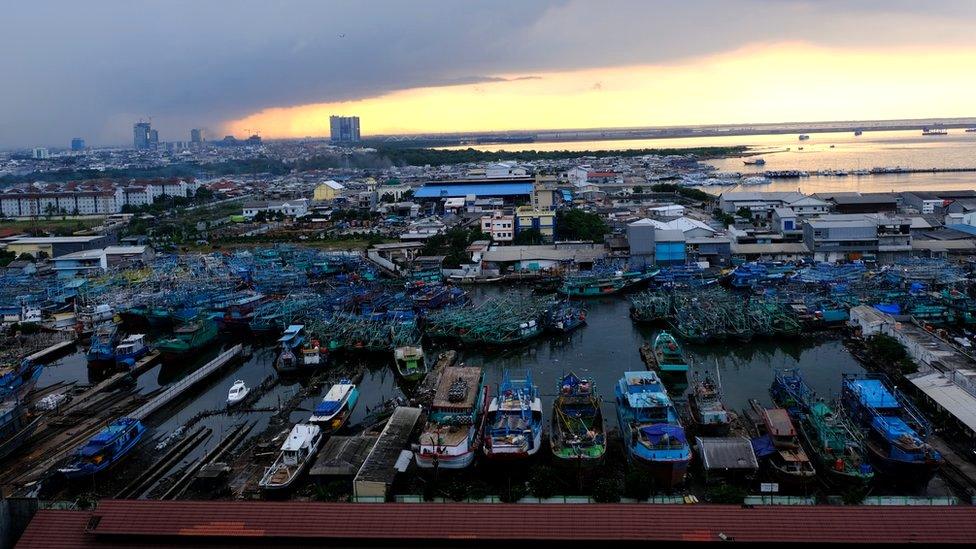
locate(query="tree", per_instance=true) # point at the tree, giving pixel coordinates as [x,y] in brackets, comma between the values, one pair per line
[637,485]
[544,482]
[387,198]
[49,210]
[638,189]
[606,490]
[576,224]
[744,213]
[887,351]
[528,237]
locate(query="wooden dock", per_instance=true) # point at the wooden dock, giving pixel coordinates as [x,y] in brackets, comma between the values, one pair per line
[175,390]
[53,350]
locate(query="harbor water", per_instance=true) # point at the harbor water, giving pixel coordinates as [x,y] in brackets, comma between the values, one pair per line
[601,350]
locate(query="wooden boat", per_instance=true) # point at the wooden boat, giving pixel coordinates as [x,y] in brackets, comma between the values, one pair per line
[297,453]
[453,429]
[577,434]
[776,442]
[710,416]
[105,449]
[410,363]
[337,405]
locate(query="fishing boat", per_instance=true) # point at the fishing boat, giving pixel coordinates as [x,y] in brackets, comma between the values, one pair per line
[453,429]
[17,381]
[296,455]
[337,405]
[754,162]
[710,416]
[577,435]
[312,355]
[665,357]
[896,430]
[858,132]
[293,337]
[189,338]
[514,420]
[790,391]
[16,425]
[410,363]
[776,442]
[130,350]
[804,137]
[105,449]
[103,343]
[238,392]
[934,131]
[650,428]
[564,317]
[597,283]
[288,360]
[836,446]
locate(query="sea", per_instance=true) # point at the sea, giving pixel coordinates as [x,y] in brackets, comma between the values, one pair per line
[822,151]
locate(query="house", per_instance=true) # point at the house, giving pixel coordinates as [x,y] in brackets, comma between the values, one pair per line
[500,226]
[762,204]
[327,190]
[854,202]
[288,208]
[544,221]
[857,236]
[785,221]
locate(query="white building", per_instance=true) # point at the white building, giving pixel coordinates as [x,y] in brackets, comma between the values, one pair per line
[289,208]
[500,226]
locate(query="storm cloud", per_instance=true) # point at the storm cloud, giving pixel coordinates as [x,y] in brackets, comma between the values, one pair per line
[90,69]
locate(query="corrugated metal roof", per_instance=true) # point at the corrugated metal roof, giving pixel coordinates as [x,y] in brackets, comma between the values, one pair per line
[477,189]
[201,523]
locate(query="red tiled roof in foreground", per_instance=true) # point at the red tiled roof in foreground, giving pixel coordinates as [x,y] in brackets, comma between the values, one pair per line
[198,523]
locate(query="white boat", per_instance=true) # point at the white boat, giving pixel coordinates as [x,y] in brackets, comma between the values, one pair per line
[297,453]
[336,406]
[238,392]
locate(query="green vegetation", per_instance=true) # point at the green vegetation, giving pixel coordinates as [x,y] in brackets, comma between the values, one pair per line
[438,157]
[528,237]
[687,192]
[606,490]
[6,257]
[544,482]
[887,351]
[54,227]
[579,225]
[726,493]
[637,485]
[726,219]
[185,169]
[452,245]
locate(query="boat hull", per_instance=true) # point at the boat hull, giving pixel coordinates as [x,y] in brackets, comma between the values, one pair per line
[908,472]
[666,474]
[445,461]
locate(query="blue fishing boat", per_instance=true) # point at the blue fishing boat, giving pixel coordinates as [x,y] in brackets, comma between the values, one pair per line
[514,421]
[336,407]
[17,381]
[16,425]
[564,317]
[293,337]
[288,360]
[103,342]
[105,449]
[651,429]
[791,392]
[896,430]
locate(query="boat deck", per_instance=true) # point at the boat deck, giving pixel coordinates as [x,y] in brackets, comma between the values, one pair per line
[471,376]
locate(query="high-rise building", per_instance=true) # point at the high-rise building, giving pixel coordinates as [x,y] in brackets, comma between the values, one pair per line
[344,129]
[77,144]
[153,139]
[40,153]
[141,132]
[196,135]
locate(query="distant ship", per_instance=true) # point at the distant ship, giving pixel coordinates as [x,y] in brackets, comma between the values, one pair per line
[804,137]
[934,131]
[970,130]
[754,162]
[857,133]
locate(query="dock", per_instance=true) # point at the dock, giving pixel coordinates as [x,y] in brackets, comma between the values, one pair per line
[175,390]
[342,456]
[382,464]
[52,351]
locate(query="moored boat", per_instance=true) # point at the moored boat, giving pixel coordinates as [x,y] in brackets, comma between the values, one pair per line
[514,420]
[296,455]
[577,435]
[836,446]
[453,429]
[896,431]
[665,357]
[105,449]
[776,442]
[130,350]
[103,343]
[710,416]
[564,317]
[410,362]
[189,338]
[16,425]
[238,392]
[337,405]
[651,429]
[17,381]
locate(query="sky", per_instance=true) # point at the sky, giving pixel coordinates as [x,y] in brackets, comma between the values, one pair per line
[91,69]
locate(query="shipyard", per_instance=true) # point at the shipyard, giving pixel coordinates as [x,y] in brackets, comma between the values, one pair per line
[431,275]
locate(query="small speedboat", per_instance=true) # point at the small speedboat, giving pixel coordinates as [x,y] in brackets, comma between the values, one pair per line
[238,392]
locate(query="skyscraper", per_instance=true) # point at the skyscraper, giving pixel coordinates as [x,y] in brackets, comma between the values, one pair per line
[141,132]
[344,129]
[196,135]
[77,144]
[153,139]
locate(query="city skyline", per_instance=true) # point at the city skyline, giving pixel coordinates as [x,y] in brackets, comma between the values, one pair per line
[486,66]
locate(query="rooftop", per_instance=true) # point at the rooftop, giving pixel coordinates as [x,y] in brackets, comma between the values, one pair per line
[477,189]
[143,523]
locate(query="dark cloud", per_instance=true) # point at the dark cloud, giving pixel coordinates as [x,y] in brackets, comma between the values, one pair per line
[91,68]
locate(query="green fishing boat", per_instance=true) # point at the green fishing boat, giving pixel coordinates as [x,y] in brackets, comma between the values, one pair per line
[410,363]
[576,434]
[189,337]
[665,356]
[836,447]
